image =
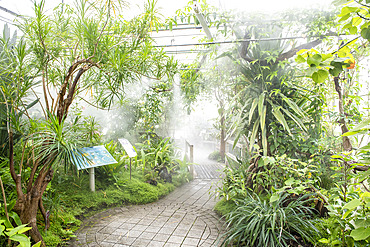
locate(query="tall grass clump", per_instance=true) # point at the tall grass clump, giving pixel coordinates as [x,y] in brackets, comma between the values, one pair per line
[283,221]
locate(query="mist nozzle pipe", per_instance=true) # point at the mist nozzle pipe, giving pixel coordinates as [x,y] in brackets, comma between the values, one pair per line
[202,21]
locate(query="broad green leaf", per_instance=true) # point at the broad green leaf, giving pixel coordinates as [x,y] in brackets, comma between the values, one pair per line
[263,117]
[264,141]
[314,60]
[324,241]
[356,21]
[290,182]
[295,119]
[348,212]
[15,230]
[352,133]
[2,228]
[348,25]
[335,156]
[274,198]
[362,223]
[310,71]
[345,17]
[326,56]
[251,111]
[301,51]
[38,244]
[361,125]
[23,230]
[364,175]
[279,116]
[365,148]
[300,59]
[360,233]
[261,100]
[365,33]
[23,240]
[15,217]
[353,30]
[320,76]
[254,134]
[261,163]
[352,204]
[170,25]
[347,10]
[294,106]
[366,195]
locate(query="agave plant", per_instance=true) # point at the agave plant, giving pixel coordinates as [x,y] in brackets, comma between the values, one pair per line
[257,222]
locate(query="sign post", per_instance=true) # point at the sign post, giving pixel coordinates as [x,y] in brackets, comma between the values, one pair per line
[129,150]
[92,178]
[93,157]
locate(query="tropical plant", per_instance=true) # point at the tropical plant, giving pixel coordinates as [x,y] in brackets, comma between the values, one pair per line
[157,157]
[17,234]
[349,208]
[349,221]
[108,173]
[267,173]
[106,53]
[266,93]
[257,222]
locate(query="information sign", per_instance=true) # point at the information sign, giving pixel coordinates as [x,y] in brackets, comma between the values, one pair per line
[128,147]
[93,157]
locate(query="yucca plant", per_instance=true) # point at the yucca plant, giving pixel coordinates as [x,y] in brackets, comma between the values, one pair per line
[257,222]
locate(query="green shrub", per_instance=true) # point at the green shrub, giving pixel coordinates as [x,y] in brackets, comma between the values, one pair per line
[257,222]
[223,207]
[216,156]
[52,239]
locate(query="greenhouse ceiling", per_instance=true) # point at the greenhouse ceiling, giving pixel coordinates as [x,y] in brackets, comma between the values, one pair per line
[182,41]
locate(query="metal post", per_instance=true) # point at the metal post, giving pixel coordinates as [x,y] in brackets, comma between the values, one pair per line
[92,179]
[130,168]
[191,159]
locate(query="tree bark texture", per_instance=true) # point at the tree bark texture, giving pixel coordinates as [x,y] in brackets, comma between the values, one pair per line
[347,146]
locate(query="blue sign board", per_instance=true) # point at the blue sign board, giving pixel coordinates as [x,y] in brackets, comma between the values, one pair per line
[93,157]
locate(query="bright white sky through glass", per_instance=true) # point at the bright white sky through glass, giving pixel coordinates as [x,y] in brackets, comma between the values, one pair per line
[168,7]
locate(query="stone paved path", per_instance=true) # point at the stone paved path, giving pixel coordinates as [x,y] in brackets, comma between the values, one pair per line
[183,218]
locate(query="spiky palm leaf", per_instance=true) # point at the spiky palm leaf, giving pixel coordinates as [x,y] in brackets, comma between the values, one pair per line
[266,96]
[57,144]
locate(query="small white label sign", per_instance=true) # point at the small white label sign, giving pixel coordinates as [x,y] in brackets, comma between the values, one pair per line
[128,147]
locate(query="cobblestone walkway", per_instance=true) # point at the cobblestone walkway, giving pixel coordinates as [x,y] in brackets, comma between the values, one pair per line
[183,218]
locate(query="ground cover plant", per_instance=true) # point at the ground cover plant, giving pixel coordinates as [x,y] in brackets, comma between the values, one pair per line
[282,222]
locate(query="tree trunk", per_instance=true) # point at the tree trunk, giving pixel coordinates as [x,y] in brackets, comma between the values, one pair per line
[27,208]
[27,205]
[347,146]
